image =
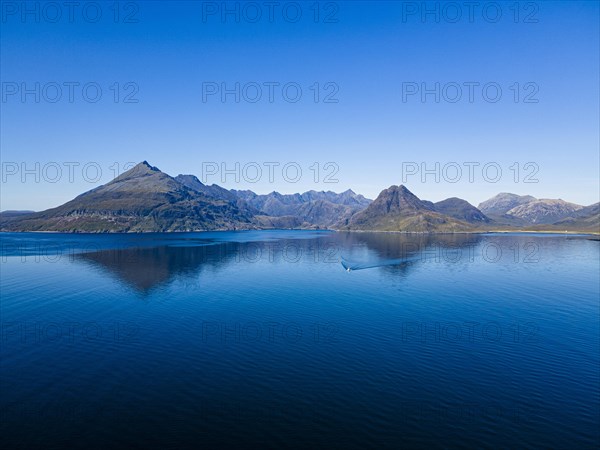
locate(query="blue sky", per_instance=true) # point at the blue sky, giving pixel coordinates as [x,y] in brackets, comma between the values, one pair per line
[365,56]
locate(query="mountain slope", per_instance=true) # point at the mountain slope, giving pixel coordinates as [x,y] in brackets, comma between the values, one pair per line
[214,191]
[585,219]
[544,211]
[141,199]
[462,210]
[588,211]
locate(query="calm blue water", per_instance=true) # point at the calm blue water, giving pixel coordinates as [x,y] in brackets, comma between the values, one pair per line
[253,339]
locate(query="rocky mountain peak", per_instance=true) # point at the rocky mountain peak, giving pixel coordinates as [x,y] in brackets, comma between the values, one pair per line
[399,198]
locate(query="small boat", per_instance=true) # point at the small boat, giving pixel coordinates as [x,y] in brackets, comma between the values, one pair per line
[346,266]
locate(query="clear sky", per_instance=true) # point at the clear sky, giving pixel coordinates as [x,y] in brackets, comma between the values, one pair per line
[366,116]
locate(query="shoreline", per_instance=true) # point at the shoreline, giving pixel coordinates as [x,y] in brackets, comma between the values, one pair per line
[500,232]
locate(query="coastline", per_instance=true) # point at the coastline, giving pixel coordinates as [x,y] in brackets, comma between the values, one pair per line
[500,232]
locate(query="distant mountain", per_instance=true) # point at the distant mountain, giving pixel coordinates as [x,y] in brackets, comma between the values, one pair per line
[462,210]
[14,212]
[585,219]
[324,213]
[398,209]
[588,211]
[503,202]
[312,208]
[9,213]
[277,204]
[544,211]
[141,199]
[280,222]
[525,210]
[347,198]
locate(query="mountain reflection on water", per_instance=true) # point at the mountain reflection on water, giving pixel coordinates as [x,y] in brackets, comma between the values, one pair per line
[145,268]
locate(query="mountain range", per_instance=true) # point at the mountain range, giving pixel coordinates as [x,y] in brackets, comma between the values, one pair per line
[145,199]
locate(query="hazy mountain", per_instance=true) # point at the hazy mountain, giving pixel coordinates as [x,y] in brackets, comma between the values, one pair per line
[503,202]
[544,211]
[312,208]
[347,198]
[588,211]
[398,209]
[462,210]
[324,213]
[585,219]
[141,199]
[276,204]
[523,211]
[280,222]
[10,215]
[13,213]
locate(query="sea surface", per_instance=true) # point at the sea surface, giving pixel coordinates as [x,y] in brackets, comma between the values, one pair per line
[265,340]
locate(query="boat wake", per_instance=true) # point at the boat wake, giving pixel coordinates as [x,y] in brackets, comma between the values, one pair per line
[350,266]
